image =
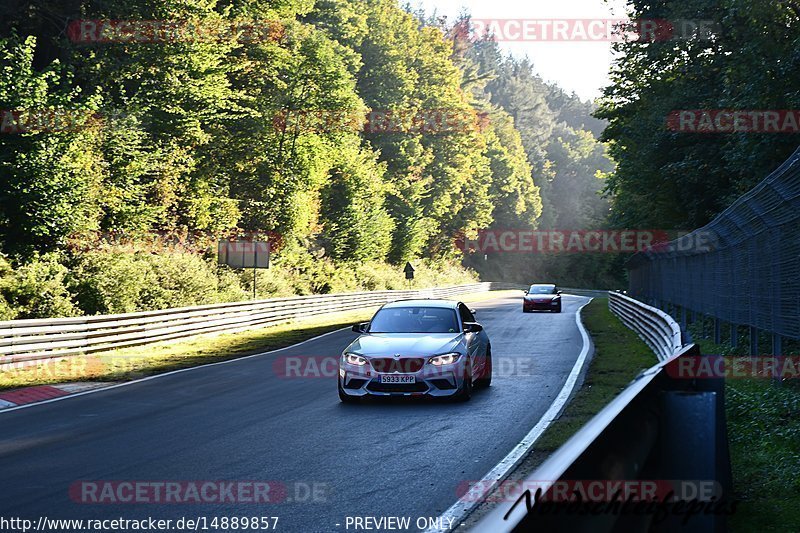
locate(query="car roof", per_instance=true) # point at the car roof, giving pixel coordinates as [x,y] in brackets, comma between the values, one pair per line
[543,285]
[451,304]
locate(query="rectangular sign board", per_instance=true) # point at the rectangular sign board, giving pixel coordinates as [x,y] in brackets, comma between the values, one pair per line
[243,254]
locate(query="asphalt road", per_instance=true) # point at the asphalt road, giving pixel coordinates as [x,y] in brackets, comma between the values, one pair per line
[241,421]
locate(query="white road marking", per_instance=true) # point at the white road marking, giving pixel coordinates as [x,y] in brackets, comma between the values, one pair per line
[459,511]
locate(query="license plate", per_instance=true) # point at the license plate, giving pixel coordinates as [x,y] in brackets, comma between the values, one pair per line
[389,378]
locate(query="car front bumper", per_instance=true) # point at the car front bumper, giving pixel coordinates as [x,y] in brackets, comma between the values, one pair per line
[360,381]
[530,305]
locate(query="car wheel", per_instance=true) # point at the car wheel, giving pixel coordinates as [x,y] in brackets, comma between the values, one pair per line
[465,392]
[525,310]
[557,309]
[486,378]
[346,398]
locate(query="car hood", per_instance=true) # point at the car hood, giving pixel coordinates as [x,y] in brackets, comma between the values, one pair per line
[414,344]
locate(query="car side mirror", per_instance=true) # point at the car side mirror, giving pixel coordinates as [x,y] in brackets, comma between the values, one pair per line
[526,292]
[472,311]
[472,327]
[361,328]
[558,292]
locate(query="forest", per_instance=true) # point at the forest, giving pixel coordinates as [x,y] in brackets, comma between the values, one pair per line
[682,180]
[137,134]
[354,135]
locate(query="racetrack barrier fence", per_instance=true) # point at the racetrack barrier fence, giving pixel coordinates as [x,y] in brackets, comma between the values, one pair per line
[742,269]
[23,341]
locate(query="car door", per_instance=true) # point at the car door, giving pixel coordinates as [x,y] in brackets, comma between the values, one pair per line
[473,341]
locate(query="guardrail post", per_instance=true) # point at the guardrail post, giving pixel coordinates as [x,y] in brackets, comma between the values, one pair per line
[734,335]
[753,341]
[690,423]
[686,336]
[717,331]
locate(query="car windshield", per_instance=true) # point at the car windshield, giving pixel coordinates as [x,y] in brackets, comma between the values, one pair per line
[542,289]
[414,320]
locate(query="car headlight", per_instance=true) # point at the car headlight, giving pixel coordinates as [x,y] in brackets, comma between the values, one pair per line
[444,359]
[354,359]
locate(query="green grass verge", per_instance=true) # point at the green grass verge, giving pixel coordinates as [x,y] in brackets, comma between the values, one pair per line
[764,436]
[619,357]
[140,361]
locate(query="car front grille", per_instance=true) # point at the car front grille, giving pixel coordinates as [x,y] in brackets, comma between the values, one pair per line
[388,365]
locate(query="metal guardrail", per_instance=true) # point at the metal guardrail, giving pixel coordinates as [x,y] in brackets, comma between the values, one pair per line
[591,293]
[635,437]
[31,340]
[655,327]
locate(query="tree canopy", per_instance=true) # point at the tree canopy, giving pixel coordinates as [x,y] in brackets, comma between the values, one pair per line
[347,130]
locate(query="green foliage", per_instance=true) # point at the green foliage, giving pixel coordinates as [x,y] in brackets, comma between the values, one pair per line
[356,226]
[48,180]
[763,420]
[6,311]
[678,180]
[118,281]
[37,289]
[200,136]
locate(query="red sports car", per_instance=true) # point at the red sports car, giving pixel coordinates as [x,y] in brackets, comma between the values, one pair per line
[542,297]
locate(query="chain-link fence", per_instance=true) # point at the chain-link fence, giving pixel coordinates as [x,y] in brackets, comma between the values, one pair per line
[743,268]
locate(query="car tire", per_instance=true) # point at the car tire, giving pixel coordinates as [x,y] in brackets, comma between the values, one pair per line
[465,392]
[557,309]
[525,310]
[346,398]
[485,380]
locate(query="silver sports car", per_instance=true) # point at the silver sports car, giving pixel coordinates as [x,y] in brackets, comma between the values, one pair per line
[416,348]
